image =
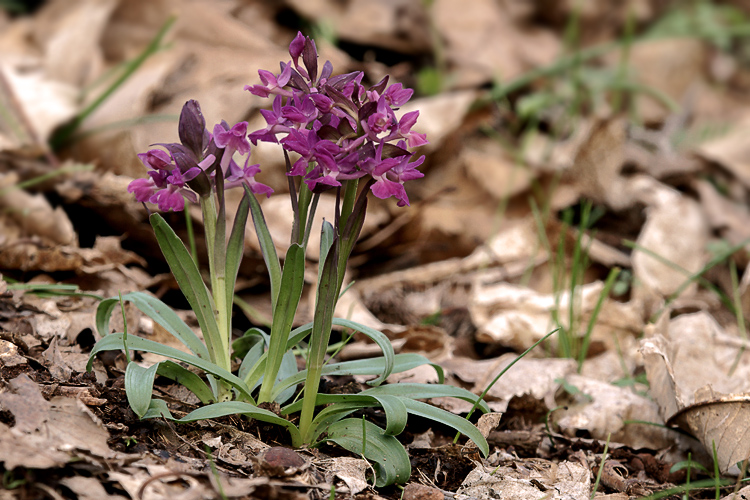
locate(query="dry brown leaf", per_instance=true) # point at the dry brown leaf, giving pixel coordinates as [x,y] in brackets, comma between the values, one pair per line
[34,214]
[605,414]
[88,488]
[352,471]
[400,25]
[688,369]
[724,215]
[529,479]
[535,377]
[676,229]
[596,168]
[483,44]
[47,433]
[669,66]
[731,150]
[69,35]
[489,164]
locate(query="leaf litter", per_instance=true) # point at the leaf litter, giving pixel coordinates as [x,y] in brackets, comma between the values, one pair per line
[482,265]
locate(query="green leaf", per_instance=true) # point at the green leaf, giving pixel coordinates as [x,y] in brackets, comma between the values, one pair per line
[192,286]
[391,460]
[326,241]
[371,366]
[292,282]
[298,334]
[325,302]
[267,247]
[158,409]
[287,369]
[250,347]
[223,409]
[395,414]
[139,385]
[444,417]
[114,342]
[381,340]
[235,246]
[157,311]
[185,377]
[426,391]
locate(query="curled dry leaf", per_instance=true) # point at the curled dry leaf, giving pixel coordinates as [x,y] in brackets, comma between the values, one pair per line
[352,471]
[34,215]
[688,366]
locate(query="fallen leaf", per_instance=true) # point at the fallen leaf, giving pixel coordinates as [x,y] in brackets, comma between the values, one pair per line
[47,433]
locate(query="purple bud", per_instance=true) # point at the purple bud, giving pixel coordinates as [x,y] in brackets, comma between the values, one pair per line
[192,128]
[296,47]
[310,58]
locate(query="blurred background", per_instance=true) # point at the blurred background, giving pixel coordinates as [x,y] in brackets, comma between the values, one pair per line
[543,116]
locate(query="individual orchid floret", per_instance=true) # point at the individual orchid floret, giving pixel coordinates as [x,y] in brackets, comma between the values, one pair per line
[277,123]
[231,140]
[156,159]
[143,189]
[237,176]
[272,84]
[396,95]
[413,139]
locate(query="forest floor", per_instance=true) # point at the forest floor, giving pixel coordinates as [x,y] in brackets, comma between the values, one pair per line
[588,171]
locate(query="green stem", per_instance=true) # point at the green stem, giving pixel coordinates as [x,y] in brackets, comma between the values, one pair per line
[218,285]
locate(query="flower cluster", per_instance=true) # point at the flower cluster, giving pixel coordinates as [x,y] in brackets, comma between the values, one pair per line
[188,169]
[340,129]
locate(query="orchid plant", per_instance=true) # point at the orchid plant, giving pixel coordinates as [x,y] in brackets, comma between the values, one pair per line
[346,138]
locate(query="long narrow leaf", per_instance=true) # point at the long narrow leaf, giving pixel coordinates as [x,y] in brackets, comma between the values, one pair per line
[185,377]
[192,286]
[235,247]
[298,334]
[217,410]
[391,460]
[157,311]
[372,366]
[444,417]
[267,247]
[114,342]
[426,391]
[292,282]
[325,302]
[139,385]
